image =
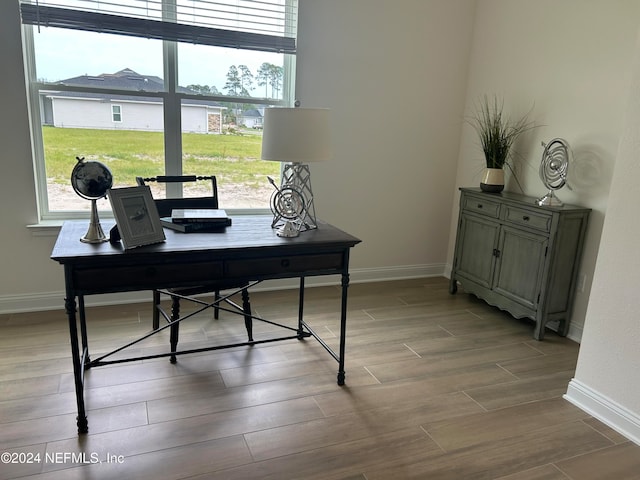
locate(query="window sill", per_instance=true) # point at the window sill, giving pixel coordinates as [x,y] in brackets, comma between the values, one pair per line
[45,228]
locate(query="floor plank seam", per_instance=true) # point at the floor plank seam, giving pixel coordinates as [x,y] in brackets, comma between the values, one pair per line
[412,350]
[324,413]
[374,377]
[366,312]
[403,301]
[613,443]
[565,474]
[446,331]
[537,350]
[516,377]
[326,327]
[485,410]
[442,449]
[474,314]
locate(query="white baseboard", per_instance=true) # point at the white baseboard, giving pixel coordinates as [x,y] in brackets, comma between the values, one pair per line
[616,416]
[575,332]
[55,300]
[366,275]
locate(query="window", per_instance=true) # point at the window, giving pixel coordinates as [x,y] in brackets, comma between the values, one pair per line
[116,113]
[193,78]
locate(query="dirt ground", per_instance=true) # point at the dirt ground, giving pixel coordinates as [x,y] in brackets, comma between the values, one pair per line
[62,197]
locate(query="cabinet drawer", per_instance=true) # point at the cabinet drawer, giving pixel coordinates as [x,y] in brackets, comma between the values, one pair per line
[255,268]
[520,216]
[481,206]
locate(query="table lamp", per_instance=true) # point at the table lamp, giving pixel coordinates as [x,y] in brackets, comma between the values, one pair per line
[295,136]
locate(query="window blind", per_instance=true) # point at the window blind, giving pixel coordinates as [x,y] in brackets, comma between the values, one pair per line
[263,25]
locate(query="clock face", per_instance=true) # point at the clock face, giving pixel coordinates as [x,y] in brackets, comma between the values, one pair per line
[91,180]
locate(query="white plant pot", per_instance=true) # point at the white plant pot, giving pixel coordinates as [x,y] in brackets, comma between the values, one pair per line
[492,180]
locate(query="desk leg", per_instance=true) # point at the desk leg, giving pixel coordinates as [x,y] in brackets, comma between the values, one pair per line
[343,328]
[175,326]
[246,308]
[83,330]
[301,309]
[70,308]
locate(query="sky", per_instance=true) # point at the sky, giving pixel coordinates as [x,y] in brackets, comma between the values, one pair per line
[62,54]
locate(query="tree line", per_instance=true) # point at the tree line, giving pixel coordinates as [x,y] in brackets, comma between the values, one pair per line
[241,82]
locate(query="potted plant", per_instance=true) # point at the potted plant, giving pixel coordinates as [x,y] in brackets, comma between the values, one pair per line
[497,135]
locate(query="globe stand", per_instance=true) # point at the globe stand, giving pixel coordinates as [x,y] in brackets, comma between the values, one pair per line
[550,200]
[554,168]
[94,233]
[91,181]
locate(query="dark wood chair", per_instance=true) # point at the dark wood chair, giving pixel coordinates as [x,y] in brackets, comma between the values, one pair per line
[165,206]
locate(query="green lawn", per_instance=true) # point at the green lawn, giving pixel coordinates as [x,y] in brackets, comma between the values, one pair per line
[232,158]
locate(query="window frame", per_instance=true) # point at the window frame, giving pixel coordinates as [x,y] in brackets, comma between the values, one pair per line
[114,113]
[172,101]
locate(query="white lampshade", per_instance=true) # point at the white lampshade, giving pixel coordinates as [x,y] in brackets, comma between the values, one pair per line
[299,135]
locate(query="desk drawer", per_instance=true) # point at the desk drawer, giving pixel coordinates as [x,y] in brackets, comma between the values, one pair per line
[146,276]
[481,206]
[528,218]
[253,268]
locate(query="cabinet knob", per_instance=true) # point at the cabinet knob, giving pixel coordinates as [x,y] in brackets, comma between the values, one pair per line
[525,218]
[479,205]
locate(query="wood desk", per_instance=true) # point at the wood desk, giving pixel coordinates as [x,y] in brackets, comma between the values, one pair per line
[248,250]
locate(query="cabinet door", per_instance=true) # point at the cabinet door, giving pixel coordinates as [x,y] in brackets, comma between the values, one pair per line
[478,239]
[520,265]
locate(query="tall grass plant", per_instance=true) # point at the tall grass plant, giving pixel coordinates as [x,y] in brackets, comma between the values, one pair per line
[496,130]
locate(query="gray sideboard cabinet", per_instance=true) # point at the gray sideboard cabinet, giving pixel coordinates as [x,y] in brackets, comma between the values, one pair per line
[518,256]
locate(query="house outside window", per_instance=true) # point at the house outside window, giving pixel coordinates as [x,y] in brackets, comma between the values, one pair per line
[116,113]
[191,108]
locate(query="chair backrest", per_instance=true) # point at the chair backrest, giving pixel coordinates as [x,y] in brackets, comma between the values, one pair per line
[165,205]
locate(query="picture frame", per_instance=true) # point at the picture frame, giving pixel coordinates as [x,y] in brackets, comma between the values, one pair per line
[136,216]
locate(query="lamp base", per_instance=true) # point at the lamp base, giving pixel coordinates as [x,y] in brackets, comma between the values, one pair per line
[292,203]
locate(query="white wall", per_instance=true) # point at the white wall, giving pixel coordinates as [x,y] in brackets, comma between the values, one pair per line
[27,271]
[136,115]
[605,382]
[570,62]
[394,75]
[96,113]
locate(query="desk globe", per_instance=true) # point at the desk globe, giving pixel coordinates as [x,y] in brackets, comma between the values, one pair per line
[91,180]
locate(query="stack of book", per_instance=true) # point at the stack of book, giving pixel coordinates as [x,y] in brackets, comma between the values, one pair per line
[190,220]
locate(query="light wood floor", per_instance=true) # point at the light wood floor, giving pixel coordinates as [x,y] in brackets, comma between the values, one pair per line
[438,387]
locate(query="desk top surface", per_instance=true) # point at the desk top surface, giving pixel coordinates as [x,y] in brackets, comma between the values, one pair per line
[246,233]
